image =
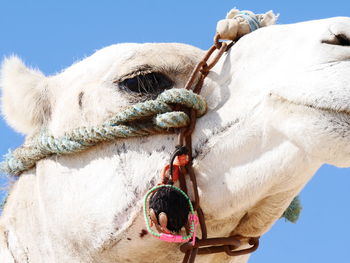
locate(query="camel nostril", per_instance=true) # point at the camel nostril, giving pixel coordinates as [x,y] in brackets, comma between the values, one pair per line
[339,34]
[343,40]
[340,40]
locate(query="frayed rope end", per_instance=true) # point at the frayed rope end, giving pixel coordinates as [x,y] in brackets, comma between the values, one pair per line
[293,211]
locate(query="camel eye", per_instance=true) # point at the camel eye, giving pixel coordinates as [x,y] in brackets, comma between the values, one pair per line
[147,83]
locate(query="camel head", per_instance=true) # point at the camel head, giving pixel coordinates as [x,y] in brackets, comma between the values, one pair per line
[278,108]
[299,71]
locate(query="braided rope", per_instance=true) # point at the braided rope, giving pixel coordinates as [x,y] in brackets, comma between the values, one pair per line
[157,117]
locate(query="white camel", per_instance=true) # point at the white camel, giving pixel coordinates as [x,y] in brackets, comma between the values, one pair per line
[278,110]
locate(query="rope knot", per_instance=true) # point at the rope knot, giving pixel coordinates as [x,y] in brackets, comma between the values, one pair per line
[239,23]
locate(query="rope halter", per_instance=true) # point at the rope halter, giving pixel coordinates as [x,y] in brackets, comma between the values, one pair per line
[157,117]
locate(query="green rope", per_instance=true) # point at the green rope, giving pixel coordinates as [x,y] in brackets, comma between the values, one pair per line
[293,211]
[156,117]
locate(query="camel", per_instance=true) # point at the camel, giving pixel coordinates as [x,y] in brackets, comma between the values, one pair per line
[277,110]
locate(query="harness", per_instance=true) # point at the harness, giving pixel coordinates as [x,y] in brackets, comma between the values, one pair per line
[203,245]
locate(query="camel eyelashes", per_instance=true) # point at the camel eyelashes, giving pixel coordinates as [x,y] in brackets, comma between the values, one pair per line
[149,83]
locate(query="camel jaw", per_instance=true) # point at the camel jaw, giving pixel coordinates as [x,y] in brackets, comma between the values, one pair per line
[321,131]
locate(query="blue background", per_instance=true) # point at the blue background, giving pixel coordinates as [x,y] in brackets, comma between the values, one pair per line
[51,35]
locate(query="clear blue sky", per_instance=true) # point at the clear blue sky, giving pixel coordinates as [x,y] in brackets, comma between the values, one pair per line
[50,35]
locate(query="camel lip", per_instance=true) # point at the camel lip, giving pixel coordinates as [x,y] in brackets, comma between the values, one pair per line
[282,99]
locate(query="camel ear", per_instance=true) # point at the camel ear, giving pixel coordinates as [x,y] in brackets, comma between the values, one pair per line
[25,104]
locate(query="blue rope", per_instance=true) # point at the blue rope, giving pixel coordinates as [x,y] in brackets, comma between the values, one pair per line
[251,19]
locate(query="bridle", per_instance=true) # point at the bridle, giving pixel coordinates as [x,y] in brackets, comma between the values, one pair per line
[230,245]
[204,245]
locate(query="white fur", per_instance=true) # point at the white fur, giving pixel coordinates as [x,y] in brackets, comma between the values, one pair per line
[278,110]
